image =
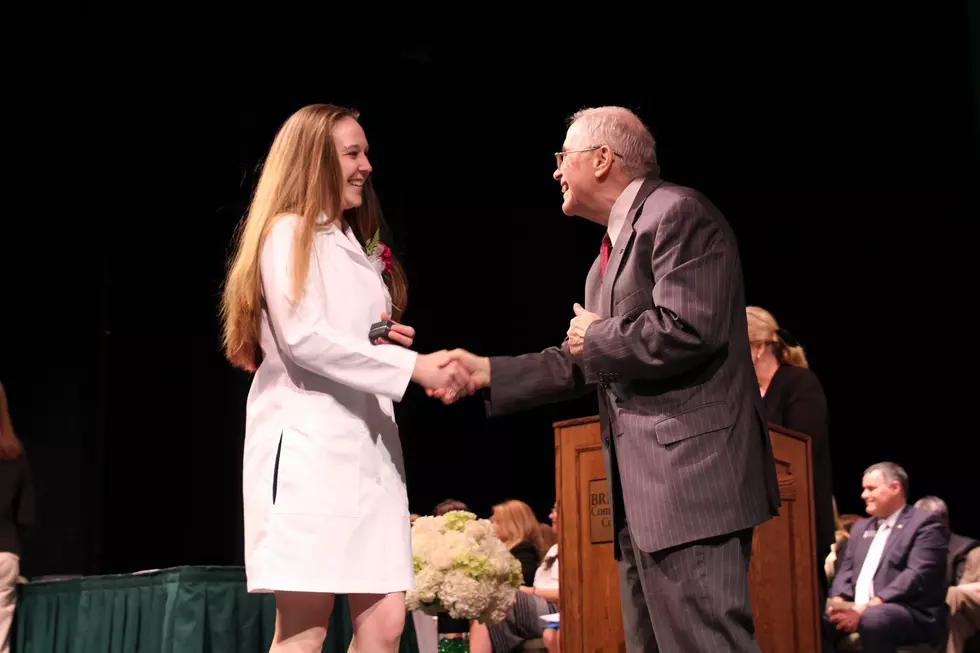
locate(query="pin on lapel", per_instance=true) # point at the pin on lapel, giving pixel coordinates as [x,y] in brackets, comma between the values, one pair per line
[898,526]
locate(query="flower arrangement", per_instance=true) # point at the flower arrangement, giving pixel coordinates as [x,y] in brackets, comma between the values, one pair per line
[462,567]
[379,255]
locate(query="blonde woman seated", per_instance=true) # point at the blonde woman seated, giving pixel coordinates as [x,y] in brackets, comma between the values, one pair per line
[523,621]
[842,533]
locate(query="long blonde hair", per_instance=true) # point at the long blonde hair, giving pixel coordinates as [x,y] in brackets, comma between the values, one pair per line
[839,529]
[10,446]
[519,524]
[301,176]
[764,328]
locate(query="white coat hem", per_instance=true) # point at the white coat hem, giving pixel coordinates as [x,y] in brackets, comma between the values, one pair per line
[267,586]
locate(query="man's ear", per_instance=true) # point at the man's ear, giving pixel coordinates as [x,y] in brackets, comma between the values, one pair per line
[602,162]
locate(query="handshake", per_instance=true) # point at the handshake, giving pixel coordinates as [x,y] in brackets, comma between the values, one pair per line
[450,375]
[445,375]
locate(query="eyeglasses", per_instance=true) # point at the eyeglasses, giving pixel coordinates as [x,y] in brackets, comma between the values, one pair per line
[560,156]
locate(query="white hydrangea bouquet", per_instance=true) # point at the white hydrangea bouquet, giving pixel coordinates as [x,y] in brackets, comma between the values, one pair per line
[462,567]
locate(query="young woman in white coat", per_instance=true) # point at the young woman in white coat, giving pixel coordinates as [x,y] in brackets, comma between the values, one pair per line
[326,509]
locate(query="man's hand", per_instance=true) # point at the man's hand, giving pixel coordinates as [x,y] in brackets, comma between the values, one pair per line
[577,328]
[478,369]
[846,620]
[398,334]
[438,372]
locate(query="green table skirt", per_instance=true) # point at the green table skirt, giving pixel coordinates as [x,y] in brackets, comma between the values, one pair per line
[179,610]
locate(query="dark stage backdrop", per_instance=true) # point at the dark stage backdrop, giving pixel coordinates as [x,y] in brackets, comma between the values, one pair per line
[842,148]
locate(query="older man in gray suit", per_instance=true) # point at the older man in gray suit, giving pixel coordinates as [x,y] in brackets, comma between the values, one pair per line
[663,338]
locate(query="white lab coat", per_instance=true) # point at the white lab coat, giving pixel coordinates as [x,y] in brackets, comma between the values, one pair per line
[320,427]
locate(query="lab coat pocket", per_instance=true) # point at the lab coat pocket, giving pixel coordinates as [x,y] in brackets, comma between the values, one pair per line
[318,473]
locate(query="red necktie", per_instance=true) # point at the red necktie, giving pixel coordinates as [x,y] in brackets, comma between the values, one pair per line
[604,253]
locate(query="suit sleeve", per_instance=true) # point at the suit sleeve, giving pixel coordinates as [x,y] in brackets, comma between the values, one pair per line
[693,267]
[308,340]
[926,565]
[522,382]
[843,585]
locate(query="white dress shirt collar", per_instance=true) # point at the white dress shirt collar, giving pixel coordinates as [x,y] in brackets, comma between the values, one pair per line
[891,519]
[617,216]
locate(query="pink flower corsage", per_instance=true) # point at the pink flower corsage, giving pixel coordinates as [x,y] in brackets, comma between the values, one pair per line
[379,254]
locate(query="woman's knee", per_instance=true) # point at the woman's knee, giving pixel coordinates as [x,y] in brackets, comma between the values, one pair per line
[302,618]
[380,618]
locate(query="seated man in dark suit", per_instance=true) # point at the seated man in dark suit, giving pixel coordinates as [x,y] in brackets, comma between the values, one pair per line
[959,545]
[891,588]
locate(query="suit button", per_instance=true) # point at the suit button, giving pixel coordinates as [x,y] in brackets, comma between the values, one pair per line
[377,479]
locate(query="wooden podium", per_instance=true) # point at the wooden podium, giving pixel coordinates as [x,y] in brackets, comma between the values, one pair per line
[782,576]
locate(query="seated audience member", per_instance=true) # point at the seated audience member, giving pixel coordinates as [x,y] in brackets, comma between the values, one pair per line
[964,607]
[842,535]
[793,397]
[959,545]
[891,587]
[517,528]
[448,506]
[548,535]
[16,517]
[523,620]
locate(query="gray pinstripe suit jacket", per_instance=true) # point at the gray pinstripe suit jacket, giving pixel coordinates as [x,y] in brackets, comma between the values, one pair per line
[677,393]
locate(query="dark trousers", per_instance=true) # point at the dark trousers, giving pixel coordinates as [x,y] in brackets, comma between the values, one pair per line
[883,628]
[693,597]
[823,586]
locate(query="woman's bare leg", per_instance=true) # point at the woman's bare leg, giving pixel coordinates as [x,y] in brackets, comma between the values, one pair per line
[379,620]
[301,622]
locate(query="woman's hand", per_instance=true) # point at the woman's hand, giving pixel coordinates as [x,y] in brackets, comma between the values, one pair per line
[438,371]
[398,334]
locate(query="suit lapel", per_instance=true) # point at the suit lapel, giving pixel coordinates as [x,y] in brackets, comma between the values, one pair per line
[861,548]
[623,242]
[896,533]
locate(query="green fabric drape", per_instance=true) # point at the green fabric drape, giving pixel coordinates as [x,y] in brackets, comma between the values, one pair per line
[180,610]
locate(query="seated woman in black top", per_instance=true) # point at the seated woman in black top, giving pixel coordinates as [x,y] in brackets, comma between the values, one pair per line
[517,528]
[793,397]
[16,516]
